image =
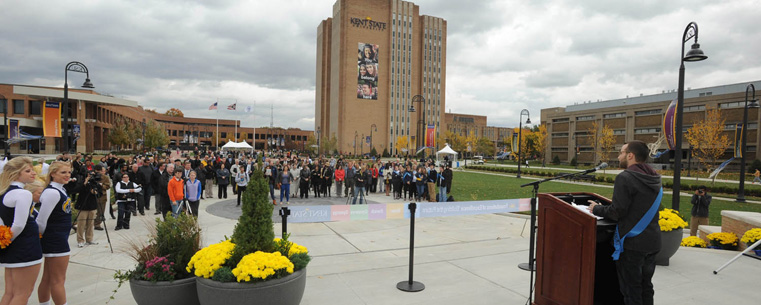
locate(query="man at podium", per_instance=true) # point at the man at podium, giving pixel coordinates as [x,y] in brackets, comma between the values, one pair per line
[636,198]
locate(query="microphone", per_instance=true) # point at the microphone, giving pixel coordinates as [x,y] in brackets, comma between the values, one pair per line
[599,167]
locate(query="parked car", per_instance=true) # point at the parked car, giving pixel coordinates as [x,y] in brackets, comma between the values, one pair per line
[478,159]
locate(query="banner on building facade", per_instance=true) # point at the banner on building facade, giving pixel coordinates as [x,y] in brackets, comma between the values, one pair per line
[13,131]
[367,71]
[430,136]
[51,119]
[515,142]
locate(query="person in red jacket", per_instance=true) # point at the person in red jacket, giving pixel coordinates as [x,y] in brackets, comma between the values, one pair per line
[175,188]
[374,185]
[340,175]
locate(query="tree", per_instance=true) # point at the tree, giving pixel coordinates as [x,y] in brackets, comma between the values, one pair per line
[541,141]
[134,132]
[402,143]
[601,137]
[119,135]
[485,146]
[456,141]
[708,140]
[155,135]
[311,144]
[151,111]
[471,141]
[175,113]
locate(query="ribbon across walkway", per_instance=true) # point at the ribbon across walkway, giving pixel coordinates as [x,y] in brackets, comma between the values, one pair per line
[326,213]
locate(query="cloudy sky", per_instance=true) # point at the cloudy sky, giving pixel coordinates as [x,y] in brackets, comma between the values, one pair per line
[503,55]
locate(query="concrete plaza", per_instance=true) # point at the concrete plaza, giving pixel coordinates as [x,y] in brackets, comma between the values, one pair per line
[461,260]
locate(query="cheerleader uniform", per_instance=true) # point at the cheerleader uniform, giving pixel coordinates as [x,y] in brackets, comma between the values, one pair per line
[16,209]
[54,221]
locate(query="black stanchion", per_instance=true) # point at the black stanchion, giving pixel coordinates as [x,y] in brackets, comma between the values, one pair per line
[410,285]
[284,212]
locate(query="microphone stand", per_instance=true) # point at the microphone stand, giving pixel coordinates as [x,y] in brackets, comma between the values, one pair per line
[530,266]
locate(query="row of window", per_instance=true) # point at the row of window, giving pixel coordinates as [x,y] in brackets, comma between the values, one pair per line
[35,107]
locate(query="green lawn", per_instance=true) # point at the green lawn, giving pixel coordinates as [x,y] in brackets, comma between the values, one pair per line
[469,186]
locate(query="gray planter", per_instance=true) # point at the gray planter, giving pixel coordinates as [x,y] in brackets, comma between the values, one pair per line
[670,242]
[164,293]
[283,291]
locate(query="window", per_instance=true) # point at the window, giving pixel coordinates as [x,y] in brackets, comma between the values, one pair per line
[223,135]
[18,106]
[35,107]
[732,105]
[647,112]
[695,108]
[3,102]
[586,149]
[585,118]
[619,132]
[560,149]
[614,115]
[174,133]
[560,120]
[560,135]
[646,130]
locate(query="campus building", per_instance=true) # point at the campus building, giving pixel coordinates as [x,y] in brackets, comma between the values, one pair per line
[641,118]
[94,115]
[374,57]
[467,124]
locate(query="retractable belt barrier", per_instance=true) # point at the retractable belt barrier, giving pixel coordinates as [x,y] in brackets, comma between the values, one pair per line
[329,213]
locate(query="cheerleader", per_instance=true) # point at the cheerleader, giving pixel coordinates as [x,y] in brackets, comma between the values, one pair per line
[22,258]
[54,222]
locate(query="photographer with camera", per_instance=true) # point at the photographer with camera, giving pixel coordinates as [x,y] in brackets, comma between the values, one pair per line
[87,203]
[127,193]
[700,202]
[105,184]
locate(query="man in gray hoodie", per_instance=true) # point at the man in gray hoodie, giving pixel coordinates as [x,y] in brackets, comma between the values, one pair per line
[634,192]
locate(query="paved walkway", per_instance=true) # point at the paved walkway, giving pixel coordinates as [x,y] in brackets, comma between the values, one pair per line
[461,260]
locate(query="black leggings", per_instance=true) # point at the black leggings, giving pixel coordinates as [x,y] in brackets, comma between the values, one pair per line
[221,191]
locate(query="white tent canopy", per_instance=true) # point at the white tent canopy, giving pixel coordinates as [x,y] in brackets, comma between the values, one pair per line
[447,151]
[237,146]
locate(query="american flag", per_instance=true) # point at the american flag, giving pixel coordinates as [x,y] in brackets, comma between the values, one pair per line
[213,106]
[231,107]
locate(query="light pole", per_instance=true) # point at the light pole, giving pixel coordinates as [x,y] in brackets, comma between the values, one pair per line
[355,142]
[362,145]
[73,66]
[371,135]
[753,104]
[695,54]
[143,140]
[318,141]
[575,150]
[417,99]
[520,134]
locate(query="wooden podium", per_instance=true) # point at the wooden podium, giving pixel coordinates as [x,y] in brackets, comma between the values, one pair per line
[573,262]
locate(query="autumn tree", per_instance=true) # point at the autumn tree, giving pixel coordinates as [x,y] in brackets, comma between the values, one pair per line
[329,145]
[402,144]
[485,146]
[118,135]
[155,135]
[540,143]
[151,111]
[602,139]
[708,140]
[456,141]
[311,144]
[175,113]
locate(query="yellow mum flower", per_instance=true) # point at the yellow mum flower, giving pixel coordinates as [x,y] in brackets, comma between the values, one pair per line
[693,241]
[207,260]
[670,220]
[261,265]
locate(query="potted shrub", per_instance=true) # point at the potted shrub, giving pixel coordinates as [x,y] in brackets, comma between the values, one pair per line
[693,241]
[252,265]
[723,240]
[160,276]
[671,224]
[751,237]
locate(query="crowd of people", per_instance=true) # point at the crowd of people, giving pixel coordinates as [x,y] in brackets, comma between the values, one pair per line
[37,200]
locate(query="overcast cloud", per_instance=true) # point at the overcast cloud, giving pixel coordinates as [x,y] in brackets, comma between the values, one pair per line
[503,56]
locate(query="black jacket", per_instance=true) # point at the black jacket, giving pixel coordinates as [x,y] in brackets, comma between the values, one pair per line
[700,205]
[156,181]
[147,172]
[634,191]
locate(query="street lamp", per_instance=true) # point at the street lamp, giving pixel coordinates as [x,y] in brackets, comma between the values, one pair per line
[575,150]
[371,135]
[73,66]
[362,145]
[753,104]
[695,54]
[417,99]
[318,141]
[355,142]
[520,134]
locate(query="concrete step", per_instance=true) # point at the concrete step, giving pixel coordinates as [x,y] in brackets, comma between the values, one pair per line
[739,222]
[704,230]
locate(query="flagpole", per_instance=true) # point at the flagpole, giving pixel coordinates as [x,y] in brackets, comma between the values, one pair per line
[216,143]
[236,122]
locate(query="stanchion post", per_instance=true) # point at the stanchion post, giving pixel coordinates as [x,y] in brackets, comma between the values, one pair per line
[410,285]
[284,213]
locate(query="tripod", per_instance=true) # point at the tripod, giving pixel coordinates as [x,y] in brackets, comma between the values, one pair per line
[351,195]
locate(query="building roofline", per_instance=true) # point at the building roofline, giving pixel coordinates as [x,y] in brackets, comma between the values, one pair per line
[74,95]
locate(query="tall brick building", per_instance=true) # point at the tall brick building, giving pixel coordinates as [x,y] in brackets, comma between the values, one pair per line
[373,57]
